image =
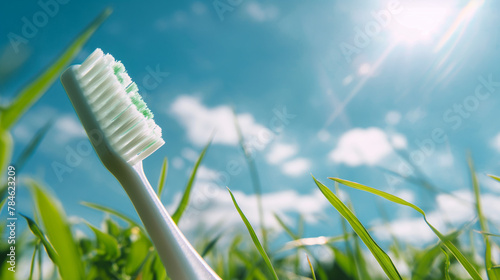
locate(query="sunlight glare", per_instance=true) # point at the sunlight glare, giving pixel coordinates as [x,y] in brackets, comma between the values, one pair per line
[420,21]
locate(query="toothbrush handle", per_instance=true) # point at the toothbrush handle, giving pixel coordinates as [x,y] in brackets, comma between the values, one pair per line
[180,259]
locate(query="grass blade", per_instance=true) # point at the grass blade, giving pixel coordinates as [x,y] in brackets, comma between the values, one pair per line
[187,192]
[58,232]
[32,266]
[382,258]
[2,203]
[446,264]
[210,245]
[114,213]
[109,244]
[32,145]
[35,229]
[255,239]
[449,245]
[163,176]
[254,175]
[482,222]
[424,262]
[31,93]
[136,274]
[287,229]
[495,177]
[488,233]
[311,267]
[6,149]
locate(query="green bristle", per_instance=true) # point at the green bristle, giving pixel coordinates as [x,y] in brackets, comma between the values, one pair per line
[132,88]
[132,91]
[141,105]
[118,69]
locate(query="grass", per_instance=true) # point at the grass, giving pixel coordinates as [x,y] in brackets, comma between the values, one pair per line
[119,248]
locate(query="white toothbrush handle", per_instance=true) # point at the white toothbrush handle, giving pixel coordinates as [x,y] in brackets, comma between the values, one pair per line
[178,256]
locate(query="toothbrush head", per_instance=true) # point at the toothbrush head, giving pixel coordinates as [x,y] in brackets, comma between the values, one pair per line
[114,115]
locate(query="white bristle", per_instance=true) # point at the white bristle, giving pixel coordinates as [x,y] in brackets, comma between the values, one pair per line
[109,91]
[84,68]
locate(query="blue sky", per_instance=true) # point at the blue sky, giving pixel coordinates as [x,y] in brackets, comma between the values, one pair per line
[324,87]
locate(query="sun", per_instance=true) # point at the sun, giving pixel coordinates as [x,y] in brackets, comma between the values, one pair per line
[421,21]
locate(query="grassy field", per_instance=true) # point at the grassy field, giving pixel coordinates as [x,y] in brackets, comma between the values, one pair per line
[121,248]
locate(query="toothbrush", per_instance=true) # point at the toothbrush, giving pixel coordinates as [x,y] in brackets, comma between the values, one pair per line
[123,133]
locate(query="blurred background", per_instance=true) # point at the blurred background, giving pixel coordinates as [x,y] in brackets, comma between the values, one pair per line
[391,94]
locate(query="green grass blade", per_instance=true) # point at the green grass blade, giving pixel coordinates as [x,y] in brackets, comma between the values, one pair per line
[6,149]
[112,212]
[302,242]
[40,269]
[31,147]
[353,268]
[488,233]
[58,232]
[360,261]
[449,245]
[287,229]
[382,258]
[138,271]
[110,248]
[210,245]
[2,203]
[32,266]
[255,239]
[35,229]
[187,192]
[446,264]
[424,261]
[494,177]
[254,176]
[483,223]
[32,92]
[311,267]
[163,177]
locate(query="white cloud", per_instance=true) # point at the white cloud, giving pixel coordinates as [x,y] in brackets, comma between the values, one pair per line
[21,133]
[68,127]
[454,210]
[205,173]
[214,207]
[398,141]
[495,142]
[296,167]
[365,146]
[260,13]
[323,135]
[280,152]
[406,194]
[189,154]
[200,122]
[178,163]
[393,117]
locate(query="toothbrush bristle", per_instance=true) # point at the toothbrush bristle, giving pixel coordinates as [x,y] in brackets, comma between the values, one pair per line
[123,116]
